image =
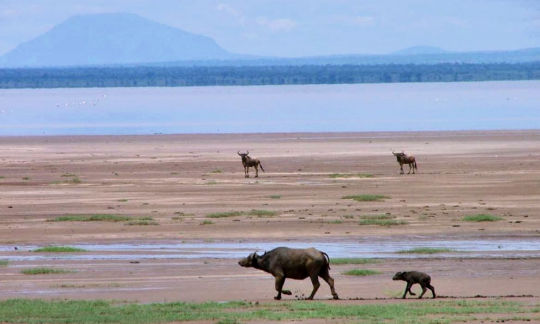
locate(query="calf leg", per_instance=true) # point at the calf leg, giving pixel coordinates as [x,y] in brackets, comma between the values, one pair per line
[316,285]
[409,169]
[280,280]
[410,291]
[330,281]
[256,171]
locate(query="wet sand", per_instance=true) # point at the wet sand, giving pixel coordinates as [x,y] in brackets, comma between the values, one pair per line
[177,180]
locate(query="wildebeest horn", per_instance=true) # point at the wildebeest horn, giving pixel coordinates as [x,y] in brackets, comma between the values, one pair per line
[247,152]
[238,153]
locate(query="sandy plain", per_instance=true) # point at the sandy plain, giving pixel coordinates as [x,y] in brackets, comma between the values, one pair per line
[178,180]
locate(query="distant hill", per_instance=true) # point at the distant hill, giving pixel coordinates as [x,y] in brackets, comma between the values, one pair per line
[128,40]
[116,38]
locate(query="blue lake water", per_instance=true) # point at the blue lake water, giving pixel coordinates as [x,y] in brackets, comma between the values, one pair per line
[298,108]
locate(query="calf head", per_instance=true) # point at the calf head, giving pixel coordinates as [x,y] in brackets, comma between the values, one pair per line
[249,261]
[399,276]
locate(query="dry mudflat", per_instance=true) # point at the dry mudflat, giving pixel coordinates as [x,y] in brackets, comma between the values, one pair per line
[170,185]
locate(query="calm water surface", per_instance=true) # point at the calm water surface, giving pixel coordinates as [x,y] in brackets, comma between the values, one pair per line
[298,108]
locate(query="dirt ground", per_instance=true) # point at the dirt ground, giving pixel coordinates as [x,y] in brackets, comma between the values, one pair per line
[179,179]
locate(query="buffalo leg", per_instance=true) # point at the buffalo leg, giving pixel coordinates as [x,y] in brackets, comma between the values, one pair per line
[330,281]
[407,289]
[316,285]
[423,291]
[432,289]
[279,286]
[410,291]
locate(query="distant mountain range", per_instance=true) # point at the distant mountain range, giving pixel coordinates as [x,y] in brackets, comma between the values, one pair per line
[122,39]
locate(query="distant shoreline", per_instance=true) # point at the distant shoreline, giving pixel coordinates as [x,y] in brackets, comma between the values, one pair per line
[294,135]
[175,76]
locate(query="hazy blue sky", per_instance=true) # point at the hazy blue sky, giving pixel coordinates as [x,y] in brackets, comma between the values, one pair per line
[305,27]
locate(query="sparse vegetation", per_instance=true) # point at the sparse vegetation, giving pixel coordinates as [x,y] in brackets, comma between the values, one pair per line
[207,222]
[26,178]
[4,263]
[339,261]
[366,197]
[361,272]
[91,218]
[426,250]
[100,311]
[224,214]
[216,171]
[38,271]
[146,220]
[275,196]
[59,249]
[350,175]
[211,182]
[122,200]
[481,218]
[262,213]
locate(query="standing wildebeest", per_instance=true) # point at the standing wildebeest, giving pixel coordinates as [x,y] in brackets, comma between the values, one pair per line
[298,264]
[403,158]
[248,162]
[412,277]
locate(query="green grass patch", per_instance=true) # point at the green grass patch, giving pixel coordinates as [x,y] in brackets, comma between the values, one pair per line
[216,171]
[262,213]
[4,263]
[274,196]
[350,175]
[207,222]
[381,220]
[91,218]
[122,200]
[100,311]
[361,272]
[339,261]
[482,218]
[211,182]
[224,214]
[59,249]
[38,271]
[366,197]
[426,250]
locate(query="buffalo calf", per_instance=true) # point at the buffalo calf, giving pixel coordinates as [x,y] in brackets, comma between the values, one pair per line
[283,262]
[413,277]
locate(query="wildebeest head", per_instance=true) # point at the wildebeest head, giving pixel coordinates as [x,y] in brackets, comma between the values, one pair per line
[398,276]
[249,261]
[243,155]
[399,156]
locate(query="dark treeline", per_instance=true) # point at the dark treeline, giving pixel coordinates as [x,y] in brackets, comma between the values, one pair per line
[261,75]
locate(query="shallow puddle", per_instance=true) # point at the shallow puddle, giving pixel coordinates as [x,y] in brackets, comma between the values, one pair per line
[367,248]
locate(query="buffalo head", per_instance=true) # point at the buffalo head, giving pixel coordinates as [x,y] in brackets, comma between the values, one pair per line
[248,261]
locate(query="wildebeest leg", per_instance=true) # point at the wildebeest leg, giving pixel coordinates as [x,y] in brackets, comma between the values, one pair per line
[316,285]
[246,172]
[407,289]
[280,280]
[432,289]
[401,168]
[330,281]
[409,169]
[423,291]
[256,171]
